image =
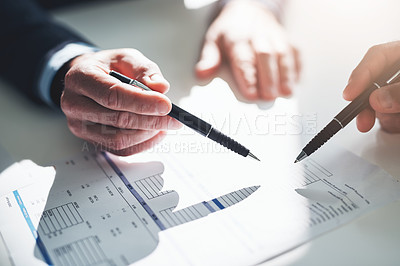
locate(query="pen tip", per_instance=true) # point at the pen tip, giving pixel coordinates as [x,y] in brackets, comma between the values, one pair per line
[253,156]
[301,156]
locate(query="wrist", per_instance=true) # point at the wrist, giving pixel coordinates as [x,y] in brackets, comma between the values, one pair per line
[57,62]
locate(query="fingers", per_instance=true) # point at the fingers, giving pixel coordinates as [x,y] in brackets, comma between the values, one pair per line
[134,64]
[389,122]
[377,62]
[260,72]
[93,82]
[386,99]
[255,47]
[141,146]
[121,118]
[266,73]
[110,137]
[84,109]
[274,67]
[242,61]
[377,65]
[366,120]
[283,74]
[210,59]
[296,63]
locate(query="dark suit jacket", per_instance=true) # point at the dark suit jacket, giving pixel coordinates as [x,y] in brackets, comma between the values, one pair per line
[28,34]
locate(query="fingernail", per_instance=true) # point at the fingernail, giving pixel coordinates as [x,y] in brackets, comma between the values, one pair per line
[162,107]
[157,78]
[385,99]
[203,64]
[345,93]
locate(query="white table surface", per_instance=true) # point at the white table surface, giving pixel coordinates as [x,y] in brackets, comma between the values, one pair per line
[332,37]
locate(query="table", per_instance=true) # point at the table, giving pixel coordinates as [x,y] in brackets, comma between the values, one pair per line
[332,37]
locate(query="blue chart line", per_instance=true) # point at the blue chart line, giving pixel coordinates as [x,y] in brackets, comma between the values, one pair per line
[134,192]
[208,206]
[200,210]
[218,204]
[151,186]
[167,217]
[25,213]
[28,220]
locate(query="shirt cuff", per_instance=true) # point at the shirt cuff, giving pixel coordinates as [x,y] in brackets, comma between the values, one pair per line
[55,60]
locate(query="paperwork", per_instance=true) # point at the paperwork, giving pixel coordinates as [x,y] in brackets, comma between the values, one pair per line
[95,212]
[107,210]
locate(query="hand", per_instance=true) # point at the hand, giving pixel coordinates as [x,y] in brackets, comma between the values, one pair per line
[253,42]
[121,118]
[385,102]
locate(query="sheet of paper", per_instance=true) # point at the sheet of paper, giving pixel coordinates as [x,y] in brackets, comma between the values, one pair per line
[20,217]
[97,212]
[106,210]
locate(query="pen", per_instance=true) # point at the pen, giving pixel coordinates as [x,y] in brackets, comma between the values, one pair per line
[343,118]
[192,121]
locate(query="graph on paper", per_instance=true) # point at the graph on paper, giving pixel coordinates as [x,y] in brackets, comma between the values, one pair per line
[59,218]
[97,213]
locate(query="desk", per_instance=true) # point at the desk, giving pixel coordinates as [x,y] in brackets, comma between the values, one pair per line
[332,37]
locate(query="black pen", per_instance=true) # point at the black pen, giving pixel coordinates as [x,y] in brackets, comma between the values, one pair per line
[343,118]
[192,121]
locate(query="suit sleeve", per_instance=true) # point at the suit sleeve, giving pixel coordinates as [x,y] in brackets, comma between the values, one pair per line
[28,35]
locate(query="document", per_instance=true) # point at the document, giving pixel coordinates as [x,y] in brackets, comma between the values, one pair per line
[187,202]
[96,212]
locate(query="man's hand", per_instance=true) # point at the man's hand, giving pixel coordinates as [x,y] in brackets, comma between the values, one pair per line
[385,102]
[248,36]
[121,118]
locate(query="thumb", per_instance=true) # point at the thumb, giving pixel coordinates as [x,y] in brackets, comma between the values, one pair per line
[210,60]
[386,99]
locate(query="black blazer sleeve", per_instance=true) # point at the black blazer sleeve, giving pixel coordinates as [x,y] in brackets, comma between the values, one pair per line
[28,34]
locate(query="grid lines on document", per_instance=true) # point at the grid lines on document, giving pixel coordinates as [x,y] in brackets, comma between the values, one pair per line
[311,172]
[85,251]
[151,186]
[180,217]
[59,218]
[236,196]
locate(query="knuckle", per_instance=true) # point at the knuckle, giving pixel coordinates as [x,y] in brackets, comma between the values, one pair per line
[112,100]
[375,49]
[147,68]
[66,104]
[131,51]
[123,120]
[68,79]
[143,108]
[156,123]
[73,77]
[279,55]
[161,123]
[265,53]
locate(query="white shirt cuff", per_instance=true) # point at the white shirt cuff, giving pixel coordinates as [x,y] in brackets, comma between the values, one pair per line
[55,61]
